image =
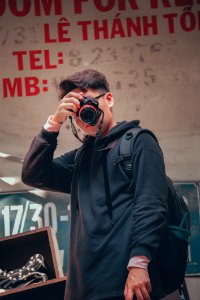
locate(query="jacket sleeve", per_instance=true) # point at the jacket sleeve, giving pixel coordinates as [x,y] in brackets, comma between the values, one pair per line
[150,197]
[41,170]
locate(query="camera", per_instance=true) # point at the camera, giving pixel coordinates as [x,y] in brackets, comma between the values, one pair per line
[89,111]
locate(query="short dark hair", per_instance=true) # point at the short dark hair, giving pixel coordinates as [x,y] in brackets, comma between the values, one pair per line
[88,78]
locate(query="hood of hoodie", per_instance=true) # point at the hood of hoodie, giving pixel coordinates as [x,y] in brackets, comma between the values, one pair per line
[118,130]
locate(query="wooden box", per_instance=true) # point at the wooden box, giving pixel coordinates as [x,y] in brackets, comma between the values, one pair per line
[16,250]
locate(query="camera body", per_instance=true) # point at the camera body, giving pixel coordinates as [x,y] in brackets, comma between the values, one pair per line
[89,111]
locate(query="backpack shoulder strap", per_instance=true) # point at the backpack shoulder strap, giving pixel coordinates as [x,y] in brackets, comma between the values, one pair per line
[127,145]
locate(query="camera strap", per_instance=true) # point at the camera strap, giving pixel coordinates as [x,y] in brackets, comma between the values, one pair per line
[74,131]
[107,188]
[98,133]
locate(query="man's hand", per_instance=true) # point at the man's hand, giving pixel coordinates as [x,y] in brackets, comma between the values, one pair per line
[68,106]
[138,284]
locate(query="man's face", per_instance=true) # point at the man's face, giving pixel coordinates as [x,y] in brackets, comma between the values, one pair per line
[105,104]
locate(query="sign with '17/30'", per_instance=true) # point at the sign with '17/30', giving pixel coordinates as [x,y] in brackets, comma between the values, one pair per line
[24,211]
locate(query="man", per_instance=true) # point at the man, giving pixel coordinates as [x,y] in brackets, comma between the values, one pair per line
[115,233]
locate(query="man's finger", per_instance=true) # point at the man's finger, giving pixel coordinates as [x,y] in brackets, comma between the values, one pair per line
[129,294]
[139,295]
[125,290]
[145,294]
[75,95]
[149,288]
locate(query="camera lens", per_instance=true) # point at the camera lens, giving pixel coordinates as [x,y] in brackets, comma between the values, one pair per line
[88,115]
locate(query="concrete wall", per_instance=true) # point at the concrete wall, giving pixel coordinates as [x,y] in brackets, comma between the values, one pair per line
[153,70]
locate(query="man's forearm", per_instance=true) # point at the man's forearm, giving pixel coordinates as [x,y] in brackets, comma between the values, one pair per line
[139,262]
[51,125]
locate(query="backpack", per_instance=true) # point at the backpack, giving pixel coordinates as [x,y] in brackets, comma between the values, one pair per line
[167,271]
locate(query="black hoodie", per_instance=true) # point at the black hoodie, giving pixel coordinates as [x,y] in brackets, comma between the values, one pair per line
[99,250]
